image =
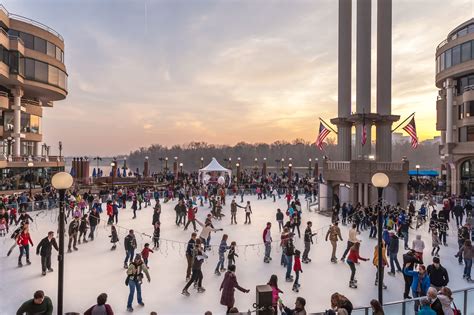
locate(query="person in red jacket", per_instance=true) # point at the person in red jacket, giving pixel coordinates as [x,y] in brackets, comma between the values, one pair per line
[110,212]
[146,253]
[100,307]
[297,269]
[353,259]
[191,217]
[24,241]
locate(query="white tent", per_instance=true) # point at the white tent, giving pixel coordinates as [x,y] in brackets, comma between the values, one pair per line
[214,166]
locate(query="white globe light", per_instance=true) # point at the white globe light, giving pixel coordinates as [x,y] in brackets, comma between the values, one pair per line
[380,180]
[62,180]
[221,180]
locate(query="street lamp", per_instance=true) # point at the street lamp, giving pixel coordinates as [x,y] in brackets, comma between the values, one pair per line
[202,162]
[309,166]
[30,165]
[61,181]
[181,168]
[166,164]
[113,174]
[380,181]
[417,171]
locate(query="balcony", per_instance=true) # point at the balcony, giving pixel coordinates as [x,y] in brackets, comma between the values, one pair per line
[4,100]
[38,161]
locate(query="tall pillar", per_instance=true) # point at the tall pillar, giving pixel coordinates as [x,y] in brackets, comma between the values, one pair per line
[344,78]
[363,75]
[17,94]
[359,193]
[384,79]
[37,149]
[366,195]
[449,110]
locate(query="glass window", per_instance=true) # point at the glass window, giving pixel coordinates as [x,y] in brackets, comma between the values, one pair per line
[448,58]
[470,133]
[51,49]
[53,75]
[13,33]
[456,55]
[21,66]
[40,45]
[28,40]
[34,123]
[13,61]
[58,53]
[8,121]
[442,61]
[465,51]
[29,69]
[462,32]
[25,122]
[470,28]
[62,80]
[461,111]
[470,109]
[470,80]
[437,64]
[41,71]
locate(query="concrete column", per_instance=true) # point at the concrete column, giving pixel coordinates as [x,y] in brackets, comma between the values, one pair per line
[360,193]
[17,94]
[344,141]
[449,110]
[383,145]
[37,149]
[363,75]
[366,195]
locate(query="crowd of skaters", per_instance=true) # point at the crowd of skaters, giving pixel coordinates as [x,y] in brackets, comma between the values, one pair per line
[189,195]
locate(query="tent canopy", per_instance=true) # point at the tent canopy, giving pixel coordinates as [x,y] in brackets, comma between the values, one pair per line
[214,166]
[430,173]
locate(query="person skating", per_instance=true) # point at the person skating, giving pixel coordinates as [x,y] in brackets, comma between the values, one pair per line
[101,308]
[463,235]
[297,269]
[94,220]
[83,227]
[156,213]
[468,250]
[228,286]
[24,240]
[190,254]
[334,233]
[44,249]
[435,241]
[180,210]
[113,237]
[233,211]
[273,283]
[156,235]
[206,232]
[130,244]
[289,251]
[351,240]
[191,217]
[232,254]
[197,276]
[146,253]
[393,248]
[376,262]
[420,283]
[308,241]
[222,249]
[409,261]
[280,217]
[267,240]
[135,272]
[352,260]
[73,231]
[438,274]
[248,212]
[418,246]
[39,304]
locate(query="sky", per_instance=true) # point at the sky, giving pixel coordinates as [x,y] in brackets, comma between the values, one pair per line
[148,72]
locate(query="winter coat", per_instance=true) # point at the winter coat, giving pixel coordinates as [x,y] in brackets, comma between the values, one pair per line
[130,242]
[228,286]
[394,244]
[425,285]
[94,219]
[114,237]
[426,310]
[446,303]
[24,239]
[376,256]
[468,251]
[73,227]
[45,246]
[333,233]
[438,276]
[105,309]
[354,256]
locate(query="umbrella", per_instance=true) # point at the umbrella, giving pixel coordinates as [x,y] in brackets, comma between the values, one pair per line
[119,174]
[94,173]
[73,172]
[138,172]
[124,172]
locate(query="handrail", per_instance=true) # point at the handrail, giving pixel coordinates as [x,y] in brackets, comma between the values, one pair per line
[469,88]
[31,21]
[444,42]
[4,94]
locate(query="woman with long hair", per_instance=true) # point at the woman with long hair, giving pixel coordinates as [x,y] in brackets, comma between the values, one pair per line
[273,283]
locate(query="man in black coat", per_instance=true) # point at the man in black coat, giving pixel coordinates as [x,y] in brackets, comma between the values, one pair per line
[94,220]
[409,258]
[130,244]
[438,274]
[44,249]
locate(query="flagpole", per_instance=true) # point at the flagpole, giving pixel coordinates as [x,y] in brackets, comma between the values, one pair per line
[327,125]
[403,121]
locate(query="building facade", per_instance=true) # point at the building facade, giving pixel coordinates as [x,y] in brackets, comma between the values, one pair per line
[455,107]
[32,77]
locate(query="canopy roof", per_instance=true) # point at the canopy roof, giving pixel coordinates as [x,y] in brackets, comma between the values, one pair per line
[214,166]
[431,173]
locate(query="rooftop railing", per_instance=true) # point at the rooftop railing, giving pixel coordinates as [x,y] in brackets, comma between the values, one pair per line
[469,88]
[32,22]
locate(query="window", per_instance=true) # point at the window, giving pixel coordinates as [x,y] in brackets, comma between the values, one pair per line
[34,123]
[51,49]
[13,33]
[448,58]
[14,61]
[470,133]
[29,69]
[442,62]
[469,109]
[3,55]
[40,45]
[456,55]
[465,51]
[62,80]
[41,71]
[53,75]
[58,54]
[8,121]
[437,64]
[461,111]
[28,40]
[462,32]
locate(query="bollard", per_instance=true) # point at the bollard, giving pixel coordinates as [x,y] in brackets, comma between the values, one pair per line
[264,300]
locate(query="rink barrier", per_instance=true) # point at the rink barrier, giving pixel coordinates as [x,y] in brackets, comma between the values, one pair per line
[464,299]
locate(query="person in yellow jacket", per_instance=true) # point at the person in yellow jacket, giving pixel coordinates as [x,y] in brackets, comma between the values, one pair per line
[375,261]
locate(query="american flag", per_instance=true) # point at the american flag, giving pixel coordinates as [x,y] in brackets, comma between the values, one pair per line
[323,133]
[411,130]
[363,139]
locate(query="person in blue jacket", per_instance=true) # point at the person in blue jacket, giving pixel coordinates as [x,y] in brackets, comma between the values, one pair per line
[420,284]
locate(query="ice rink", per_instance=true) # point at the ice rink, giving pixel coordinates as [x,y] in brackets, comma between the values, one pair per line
[95,268]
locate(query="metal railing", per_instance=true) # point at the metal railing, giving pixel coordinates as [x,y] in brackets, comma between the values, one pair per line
[444,42]
[389,166]
[469,88]
[339,166]
[463,298]
[32,22]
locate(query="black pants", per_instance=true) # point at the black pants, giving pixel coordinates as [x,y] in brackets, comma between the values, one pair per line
[442,237]
[408,281]
[353,269]
[190,221]
[247,216]
[297,226]
[233,218]
[45,262]
[91,234]
[196,276]
[349,245]
[72,238]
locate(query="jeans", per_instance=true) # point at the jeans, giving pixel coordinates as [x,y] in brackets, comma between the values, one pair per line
[129,255]
[353,269]
[289,265]
[280,224]
[283,259]
[45,263]
[460,244]
[442,237]
[190,221]
[24,250]
[405,239]
[394,259]
[132,284]
[373,231]
[268,249]
[297,278]
[408,282]
[247,216]
[91,234]
[220,262]
[459,220]
[307,247]
[467,267]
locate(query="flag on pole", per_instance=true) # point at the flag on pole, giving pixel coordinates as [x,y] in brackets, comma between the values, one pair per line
[323,133]
[411,130]
[363,139]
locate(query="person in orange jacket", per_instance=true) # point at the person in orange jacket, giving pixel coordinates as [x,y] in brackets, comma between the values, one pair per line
[384,262]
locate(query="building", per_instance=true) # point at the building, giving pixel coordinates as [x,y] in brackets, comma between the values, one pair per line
[349,177]
[32,77]
[455,107]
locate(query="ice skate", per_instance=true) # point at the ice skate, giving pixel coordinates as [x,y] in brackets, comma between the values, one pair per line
[28,262]
[20,264]
[201,290]
[50,270]
[185,292]
[352,284]
[75,248]
[295,289]
[69,250]
[129,309]
[216,272]
[43,273]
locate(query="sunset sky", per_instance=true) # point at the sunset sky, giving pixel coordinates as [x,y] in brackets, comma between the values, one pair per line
[172,72]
